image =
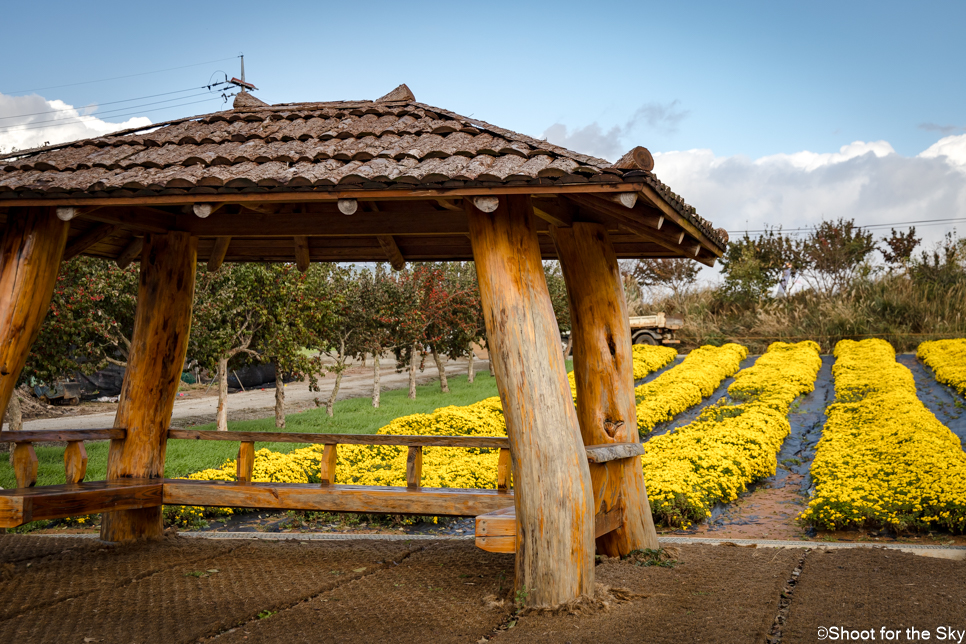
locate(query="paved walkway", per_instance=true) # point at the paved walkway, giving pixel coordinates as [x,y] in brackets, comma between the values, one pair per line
[260,403]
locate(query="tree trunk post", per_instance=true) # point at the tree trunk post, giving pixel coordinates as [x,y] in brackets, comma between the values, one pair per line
[471,364]
[554,498]
[376,376]
[221,416]
[279,399]
[30,253]
[604,374]
[441,368]
[412,372]
[161,327]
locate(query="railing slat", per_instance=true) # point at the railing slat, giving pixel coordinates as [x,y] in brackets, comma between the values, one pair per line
[25,465]
[503,471]
[414,467]
[246,462]
[75,462]
[330,457]
[491,442]
[59,435]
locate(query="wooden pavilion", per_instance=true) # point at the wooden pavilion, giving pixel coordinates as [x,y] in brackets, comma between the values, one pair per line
[390,179]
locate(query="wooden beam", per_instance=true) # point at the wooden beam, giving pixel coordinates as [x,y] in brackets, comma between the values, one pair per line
[613,451]
[161,326]
[217,257]
[413,219]
[131,252]
[554,500]
[395,257]
[21,506]
[93,236]
[302,255]
[332,196]
[30,253]
[336,498]
[647,217]
[136,218]
[604,378]
[626,199]
[556,212]
[475,442]
[450,204]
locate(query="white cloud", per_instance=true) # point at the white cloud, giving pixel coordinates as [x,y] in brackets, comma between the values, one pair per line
[30,122]
[594,140]
[867,182]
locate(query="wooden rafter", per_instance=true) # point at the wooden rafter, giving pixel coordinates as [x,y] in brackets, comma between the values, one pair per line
[395,257]
[130,252]
[88,239]
[302,255]
[217,257]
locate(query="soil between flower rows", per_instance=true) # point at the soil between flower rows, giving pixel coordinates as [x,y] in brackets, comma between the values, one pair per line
[187,590]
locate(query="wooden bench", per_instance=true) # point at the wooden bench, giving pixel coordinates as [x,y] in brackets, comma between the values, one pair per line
[497,531]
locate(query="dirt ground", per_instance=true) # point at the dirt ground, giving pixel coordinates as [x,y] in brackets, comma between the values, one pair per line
[62,589]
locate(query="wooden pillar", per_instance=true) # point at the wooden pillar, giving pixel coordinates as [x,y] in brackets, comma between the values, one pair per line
[604,374]
[30,253]
[161,327]
[553,495]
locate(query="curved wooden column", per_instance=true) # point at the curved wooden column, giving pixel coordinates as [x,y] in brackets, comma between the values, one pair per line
[604,374]
[161,327]
[30,253]
[553,495]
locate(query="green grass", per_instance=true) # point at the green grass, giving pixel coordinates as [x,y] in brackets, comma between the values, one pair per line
[352,416]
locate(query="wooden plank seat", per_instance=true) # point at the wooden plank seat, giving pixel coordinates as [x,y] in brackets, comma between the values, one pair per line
[25,504]
[497,531]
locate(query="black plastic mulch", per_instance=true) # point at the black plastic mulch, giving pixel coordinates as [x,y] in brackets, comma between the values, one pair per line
[942,401]
[688,416]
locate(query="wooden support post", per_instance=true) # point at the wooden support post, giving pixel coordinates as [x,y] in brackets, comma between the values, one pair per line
[25,465]
[503,471]
[414,467]
[131,252]
[604,374]
[161,327]
[246,462]
[393,254]
[553,498]
[30,253]
[75,461]
[330,458]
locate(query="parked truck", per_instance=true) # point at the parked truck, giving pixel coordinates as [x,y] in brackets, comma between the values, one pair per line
[655,329]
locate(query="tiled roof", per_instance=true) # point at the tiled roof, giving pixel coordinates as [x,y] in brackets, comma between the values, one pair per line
[313,146]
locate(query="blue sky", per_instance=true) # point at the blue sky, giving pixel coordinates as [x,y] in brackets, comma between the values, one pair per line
[736,90]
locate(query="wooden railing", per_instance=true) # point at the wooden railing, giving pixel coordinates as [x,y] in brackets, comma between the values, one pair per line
[25,464]
[414,459]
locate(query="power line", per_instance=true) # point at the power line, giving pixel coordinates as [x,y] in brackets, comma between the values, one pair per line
[126,100]
[103,80]
[79,120]
[924,222]
[106,112]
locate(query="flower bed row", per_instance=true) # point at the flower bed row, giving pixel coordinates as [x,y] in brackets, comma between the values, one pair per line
[646,360]
[884,459]
[682,387]
[947,359]
[731,444]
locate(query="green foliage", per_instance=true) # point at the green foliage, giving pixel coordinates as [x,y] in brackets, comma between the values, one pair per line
[752,265]
[90,321]
[558,294]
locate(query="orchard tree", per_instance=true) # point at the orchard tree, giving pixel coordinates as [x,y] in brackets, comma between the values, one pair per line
[834,254]
[375,336]
[898,247]
[229,313]
[410,298]
[753,265]
[290,315]
[338,334]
